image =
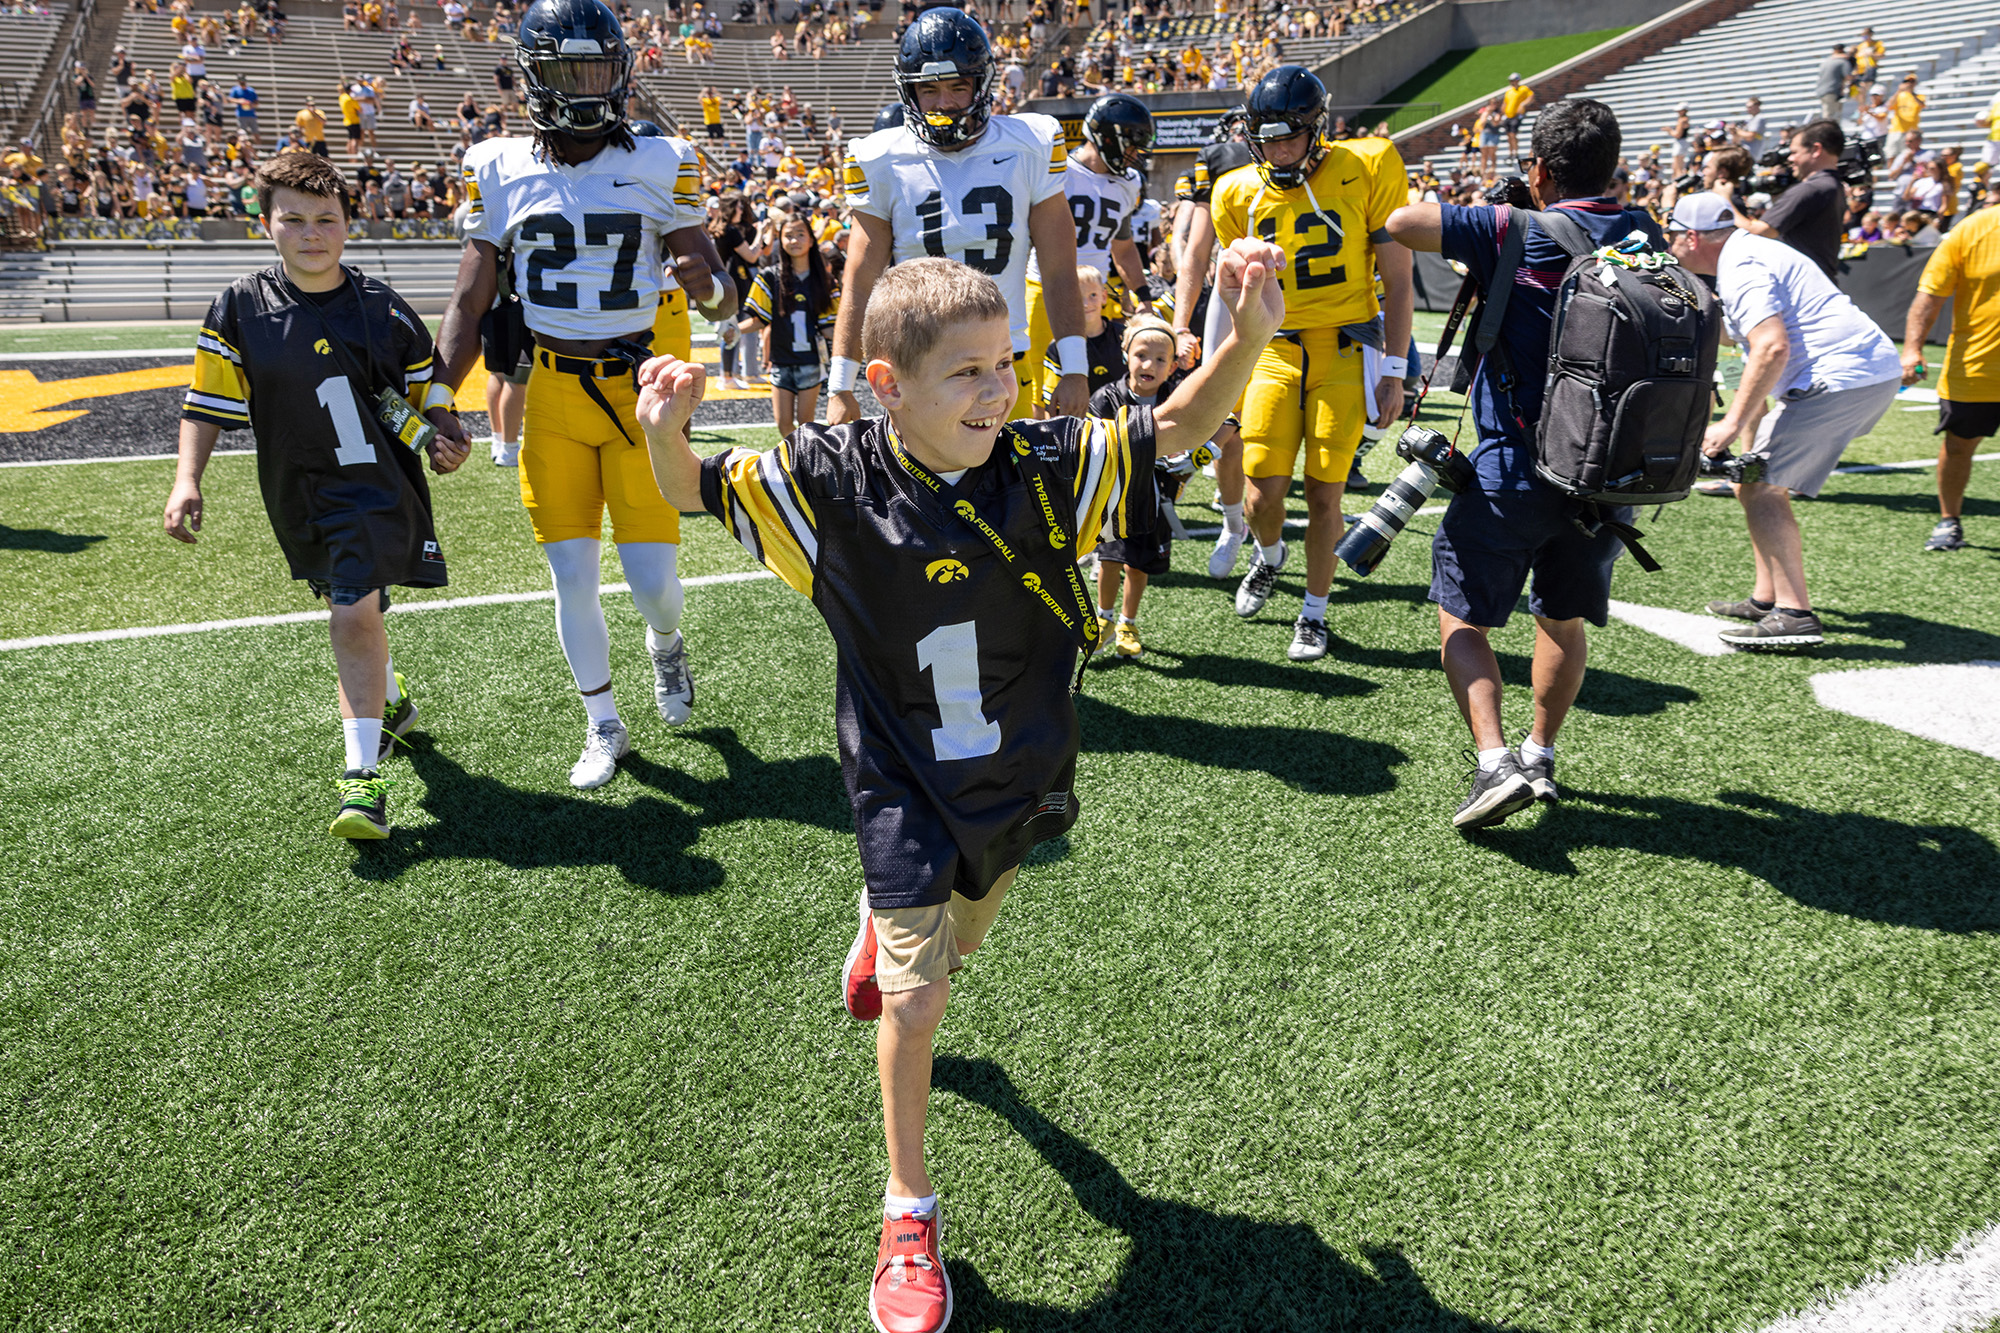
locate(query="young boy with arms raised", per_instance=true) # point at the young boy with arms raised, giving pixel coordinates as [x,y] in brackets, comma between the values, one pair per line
[280,352]
[1149,355]
[939,543]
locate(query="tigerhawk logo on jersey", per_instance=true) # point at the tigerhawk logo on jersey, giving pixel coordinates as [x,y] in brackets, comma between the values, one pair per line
[946,571]
[319,345]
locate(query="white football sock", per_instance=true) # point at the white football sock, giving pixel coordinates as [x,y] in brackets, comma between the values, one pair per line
[1314,608]
[1489,760]
[1534,751]
[395,695]
[363,736]
[1232,519]
[656,587]
[586,644]
[601,706]
[1273,553]
[894,1205]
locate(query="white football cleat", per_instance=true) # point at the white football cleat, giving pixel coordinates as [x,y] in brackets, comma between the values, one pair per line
[603,746]
[1222,560]
[673,684]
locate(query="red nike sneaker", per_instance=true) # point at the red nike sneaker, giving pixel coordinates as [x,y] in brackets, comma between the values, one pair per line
[911,1292]
[857,979]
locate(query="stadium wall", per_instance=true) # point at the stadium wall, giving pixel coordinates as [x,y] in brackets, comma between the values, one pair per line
[1477,23]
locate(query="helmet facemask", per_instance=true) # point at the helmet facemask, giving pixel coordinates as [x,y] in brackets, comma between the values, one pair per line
[1120,146]
[1263,129]
[947,129]
[576,91]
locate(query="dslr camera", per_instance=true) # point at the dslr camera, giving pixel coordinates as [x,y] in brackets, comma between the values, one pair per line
[1737,468]
[1509,190]
[1433,462]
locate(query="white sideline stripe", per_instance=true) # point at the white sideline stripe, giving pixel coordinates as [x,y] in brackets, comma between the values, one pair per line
[233,453]
[1694,633]
[1914,465]
[305,617]
[1957,705]
[1955,1294]
[101,354]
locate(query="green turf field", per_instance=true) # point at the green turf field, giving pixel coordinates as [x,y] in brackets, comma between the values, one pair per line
[1457,77]
[1261,1044]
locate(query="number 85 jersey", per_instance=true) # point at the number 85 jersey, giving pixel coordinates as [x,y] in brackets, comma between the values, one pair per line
[970,205]
[585,238]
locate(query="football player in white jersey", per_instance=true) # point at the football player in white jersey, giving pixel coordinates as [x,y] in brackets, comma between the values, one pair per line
[580,212]
[958,182]
[1103,186]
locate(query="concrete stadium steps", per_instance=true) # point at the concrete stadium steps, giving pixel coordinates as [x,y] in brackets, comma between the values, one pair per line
[857,79]
[1773,51]
[80,281]
[27,43]
[317,55]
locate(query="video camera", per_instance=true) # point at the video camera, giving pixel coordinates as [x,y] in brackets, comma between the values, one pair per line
[1856,167]
[1775,176]
[1433,462]
[1737,468]
[1511,191]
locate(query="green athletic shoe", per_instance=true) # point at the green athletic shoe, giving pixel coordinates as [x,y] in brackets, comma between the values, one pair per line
[364,805]
[397,719]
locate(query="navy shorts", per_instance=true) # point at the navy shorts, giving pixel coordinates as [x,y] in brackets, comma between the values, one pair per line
[795,379]
[342,594]
[1489,543]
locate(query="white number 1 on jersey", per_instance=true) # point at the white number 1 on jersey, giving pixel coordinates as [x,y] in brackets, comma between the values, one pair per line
[951,654]
[336,395]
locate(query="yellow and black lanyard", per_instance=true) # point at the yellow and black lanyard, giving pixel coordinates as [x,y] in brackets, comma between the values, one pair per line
[1081,623]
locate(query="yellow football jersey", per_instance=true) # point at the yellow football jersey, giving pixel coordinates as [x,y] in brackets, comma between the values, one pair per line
[1329,279]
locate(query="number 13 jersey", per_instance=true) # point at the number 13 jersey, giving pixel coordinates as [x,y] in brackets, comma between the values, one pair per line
[585,238]
[970,205]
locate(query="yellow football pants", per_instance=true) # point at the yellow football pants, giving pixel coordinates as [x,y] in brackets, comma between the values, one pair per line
[575,463]
[1304,395]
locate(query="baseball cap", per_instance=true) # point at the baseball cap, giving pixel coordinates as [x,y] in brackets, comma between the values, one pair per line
[1701,212]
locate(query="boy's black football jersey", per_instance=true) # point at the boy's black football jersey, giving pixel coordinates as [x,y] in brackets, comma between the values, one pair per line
[958,739]
[349,505]
[1106,353]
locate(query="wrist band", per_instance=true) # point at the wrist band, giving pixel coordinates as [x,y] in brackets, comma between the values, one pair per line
[1073,355]
[840,379]
[1395,367]
[439,395]
[720,289]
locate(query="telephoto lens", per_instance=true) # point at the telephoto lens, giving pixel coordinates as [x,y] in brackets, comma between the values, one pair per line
[1362,549]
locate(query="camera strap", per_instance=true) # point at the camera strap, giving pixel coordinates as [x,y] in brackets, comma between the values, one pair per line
[1081,626]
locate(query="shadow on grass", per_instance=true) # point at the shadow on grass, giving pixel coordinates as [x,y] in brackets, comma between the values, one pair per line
[1247,671]
[1189,1268]
[647,839]
[1606,693]
[1908,502]
[1927,876]
[1913,640]
[47,540]
[1311,760]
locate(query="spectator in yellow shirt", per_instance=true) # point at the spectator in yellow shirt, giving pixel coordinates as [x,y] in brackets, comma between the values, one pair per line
[711,113]
[1965,268]
[350,119]
[1868,54]
[312,124]
[1906,108]
[1515,99]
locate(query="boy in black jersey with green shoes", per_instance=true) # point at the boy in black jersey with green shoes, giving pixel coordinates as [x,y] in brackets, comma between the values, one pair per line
[280,352]
[940,545]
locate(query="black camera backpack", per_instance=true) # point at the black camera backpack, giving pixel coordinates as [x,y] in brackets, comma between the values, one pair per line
[1630,374]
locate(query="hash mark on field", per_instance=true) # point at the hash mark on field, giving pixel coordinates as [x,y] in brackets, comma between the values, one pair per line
[1958,705]
[305,617]
[1956,1294]
[1694,633]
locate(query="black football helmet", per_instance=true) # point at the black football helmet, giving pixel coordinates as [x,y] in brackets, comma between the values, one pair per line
[1287,100]
[890,117]
[578,67]
[1230,127]
[1120,127]
[940,44]
[645,129]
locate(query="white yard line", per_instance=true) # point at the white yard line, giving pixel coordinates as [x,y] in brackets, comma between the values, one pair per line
[1958,1293]
[1914,465]
[101,354]
[1694,633]
[1953,704]
[303,617]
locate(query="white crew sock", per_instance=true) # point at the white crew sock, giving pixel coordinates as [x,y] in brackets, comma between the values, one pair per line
[395,696]
[586,643]
[1314,608]
[1128,620]
[1534,751]
[601,706]
[1272,554]
[894,1205]
[656,587]
[1232,519]
[1106,613]
[363,736]
[1489,760]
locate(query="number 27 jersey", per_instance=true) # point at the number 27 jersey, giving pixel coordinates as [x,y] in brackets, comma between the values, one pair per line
[585,238]
[970,205]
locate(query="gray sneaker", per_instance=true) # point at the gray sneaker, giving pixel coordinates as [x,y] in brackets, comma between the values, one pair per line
[1495,795]
[1779,629]
[603,746]
[1540,772]
[673,684]
[1948,535]
[1743,610]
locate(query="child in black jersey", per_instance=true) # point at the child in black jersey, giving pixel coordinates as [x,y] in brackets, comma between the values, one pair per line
[347,502]
[939,544]
[1101,341]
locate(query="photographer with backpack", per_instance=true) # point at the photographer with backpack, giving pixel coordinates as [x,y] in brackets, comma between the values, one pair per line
[1511,523]
[1833,373]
